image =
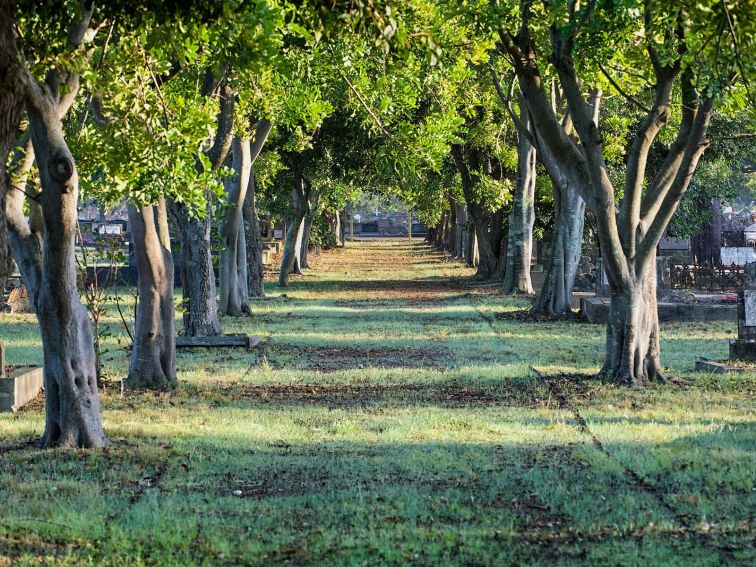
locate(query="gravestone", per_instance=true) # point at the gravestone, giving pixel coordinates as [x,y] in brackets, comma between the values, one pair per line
[744,347]
[663,278]
[602,281]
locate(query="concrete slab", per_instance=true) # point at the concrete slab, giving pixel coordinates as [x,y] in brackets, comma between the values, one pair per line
[21,386]
[596,310]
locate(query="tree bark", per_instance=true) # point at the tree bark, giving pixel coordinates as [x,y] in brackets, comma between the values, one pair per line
[632,332]
[255,268]
[234,275]
[72,408]
[488,224]
[567,243]
[199,302]
[11,111]
[153,354]
[290,260]
[522,217]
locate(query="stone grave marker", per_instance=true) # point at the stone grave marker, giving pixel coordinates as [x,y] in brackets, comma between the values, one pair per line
[744,347]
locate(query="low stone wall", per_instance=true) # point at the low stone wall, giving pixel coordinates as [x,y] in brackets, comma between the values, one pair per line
[21,386]
[596,310]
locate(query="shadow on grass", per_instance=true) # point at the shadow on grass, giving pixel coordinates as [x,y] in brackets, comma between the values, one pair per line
[240,498]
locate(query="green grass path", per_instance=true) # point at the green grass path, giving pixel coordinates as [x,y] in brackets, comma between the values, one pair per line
[392,416]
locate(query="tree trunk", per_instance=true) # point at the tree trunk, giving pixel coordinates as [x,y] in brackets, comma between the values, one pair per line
[451,227]
[569,218]
[153,355]
[632,333]
[72,408]
[471,246]
[234,300]
[487,224]
[290,261]
[305,242]
[522,217]
[460,218]
[441,231]
[255,268]
[291,250]
[337,227]
[234,272]
[312,210]
[488,240]
[46,254]
[11,111]
[197,274]
[706,246]
[350,216]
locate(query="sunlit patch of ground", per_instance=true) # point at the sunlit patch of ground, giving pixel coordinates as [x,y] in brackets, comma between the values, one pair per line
[392,415]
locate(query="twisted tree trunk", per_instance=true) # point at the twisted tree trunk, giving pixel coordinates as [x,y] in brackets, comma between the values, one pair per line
[569,213]
[234,276]
[234,299]
[153,354]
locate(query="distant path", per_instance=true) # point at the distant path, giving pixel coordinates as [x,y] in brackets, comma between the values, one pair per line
[384,268]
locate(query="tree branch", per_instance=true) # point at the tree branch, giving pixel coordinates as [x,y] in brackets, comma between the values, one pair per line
[506,101]
[627,96]
[364,104]
[694,149]
[630,209]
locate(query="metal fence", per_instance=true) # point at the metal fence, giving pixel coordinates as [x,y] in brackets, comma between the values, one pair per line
[707,278]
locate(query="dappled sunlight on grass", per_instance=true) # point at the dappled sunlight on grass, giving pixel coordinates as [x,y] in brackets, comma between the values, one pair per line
[382,420]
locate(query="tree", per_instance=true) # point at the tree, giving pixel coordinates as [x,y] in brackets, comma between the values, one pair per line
[234,278]
[665,41]
[45,254]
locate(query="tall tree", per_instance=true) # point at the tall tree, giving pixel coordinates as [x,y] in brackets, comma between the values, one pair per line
[663,40]
[234,278]
[46,253]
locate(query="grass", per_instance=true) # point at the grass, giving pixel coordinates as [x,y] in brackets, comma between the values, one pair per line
[393,417]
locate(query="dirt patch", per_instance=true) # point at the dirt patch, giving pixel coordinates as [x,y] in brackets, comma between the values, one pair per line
[334,359]
[530,316]
[448,394]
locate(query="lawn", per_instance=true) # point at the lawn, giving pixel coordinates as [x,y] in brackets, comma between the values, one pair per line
[397,412]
